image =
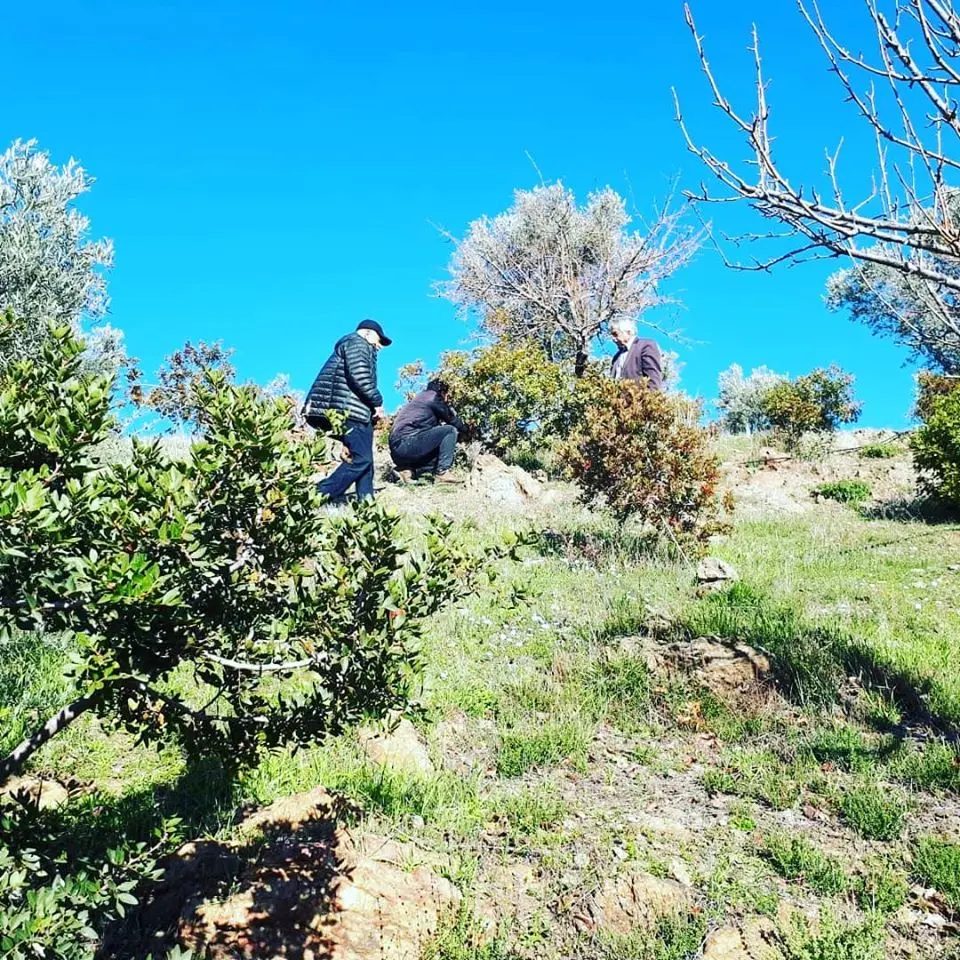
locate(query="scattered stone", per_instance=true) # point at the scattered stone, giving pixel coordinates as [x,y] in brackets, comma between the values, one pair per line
[723,667]
[755,941]
[680,872]
[715,574]
[631,900]
[46,794]
[400,749]
[507,486]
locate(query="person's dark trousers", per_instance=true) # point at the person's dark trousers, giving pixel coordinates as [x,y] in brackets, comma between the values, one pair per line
[359,441]
[426,451]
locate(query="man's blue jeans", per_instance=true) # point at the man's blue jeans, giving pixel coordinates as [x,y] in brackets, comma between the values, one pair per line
[358,439]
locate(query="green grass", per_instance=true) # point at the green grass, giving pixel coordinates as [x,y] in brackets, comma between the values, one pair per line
[796,858]
[528,811]
[936,864]
[677,937]
[542,744]
[758,775]
[844,491]
[875,810]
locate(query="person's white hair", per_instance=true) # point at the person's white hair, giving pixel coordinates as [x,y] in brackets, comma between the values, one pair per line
[625,325]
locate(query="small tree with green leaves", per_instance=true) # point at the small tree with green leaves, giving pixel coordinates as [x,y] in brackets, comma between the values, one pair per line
[936,444]
[817,403]
[292,623]
[643,454]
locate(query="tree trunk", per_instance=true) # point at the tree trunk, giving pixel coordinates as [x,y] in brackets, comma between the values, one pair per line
[581,361]
[14,761]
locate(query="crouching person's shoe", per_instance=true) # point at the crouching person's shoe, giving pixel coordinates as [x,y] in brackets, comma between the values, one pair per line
[403,476]
[446,478]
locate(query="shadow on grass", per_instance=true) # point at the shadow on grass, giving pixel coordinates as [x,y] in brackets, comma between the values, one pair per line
[926,510]
[812,663]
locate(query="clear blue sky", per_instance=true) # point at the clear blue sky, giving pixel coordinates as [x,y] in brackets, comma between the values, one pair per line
[270,172]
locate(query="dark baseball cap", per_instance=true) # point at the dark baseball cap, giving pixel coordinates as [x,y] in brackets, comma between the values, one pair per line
[377,329]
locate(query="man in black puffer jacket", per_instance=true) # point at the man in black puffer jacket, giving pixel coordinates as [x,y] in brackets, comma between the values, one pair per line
[348,384]
[423,439]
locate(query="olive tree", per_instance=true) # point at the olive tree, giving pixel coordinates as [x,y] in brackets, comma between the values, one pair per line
[901,234]
[557,273]
[51,271]
[741,398]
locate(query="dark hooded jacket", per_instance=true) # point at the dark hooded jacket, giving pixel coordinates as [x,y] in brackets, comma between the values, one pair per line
[347,383]
[425,410]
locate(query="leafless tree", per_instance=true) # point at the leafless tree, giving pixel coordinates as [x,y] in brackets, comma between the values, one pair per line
[549,270]
[903,233]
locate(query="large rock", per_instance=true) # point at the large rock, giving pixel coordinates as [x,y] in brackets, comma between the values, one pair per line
[634,899]
[724,667]
[311,889]
[400,749]
[504,485]
[755,940]
[46,794]
[715,574]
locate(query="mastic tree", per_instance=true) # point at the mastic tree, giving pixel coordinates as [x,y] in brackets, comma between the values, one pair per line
[222,567]
[644,455]
[556,273]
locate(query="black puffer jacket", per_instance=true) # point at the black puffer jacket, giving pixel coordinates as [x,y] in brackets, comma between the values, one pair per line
[347,382]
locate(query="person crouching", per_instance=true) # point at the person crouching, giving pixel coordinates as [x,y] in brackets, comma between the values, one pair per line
[423,439]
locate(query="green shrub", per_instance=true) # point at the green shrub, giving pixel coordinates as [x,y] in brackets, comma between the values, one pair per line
[936,445]
[881,889]
[936,864]
[831,939]
[54,899]
[643,453]
[844,491]
[818,402]
[796,858]
[672,937]
[878,451]
[875,810]
[513,398]
[291,622]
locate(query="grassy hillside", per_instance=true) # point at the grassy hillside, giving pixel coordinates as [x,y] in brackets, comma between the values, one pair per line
[574,740]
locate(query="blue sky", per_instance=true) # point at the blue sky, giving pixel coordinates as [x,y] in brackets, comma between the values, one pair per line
[272,174]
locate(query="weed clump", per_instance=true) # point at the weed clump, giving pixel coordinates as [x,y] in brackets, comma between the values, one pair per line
[796,858]
[844,491]
[878,451]
[524,748]
[874,810]
[936,864]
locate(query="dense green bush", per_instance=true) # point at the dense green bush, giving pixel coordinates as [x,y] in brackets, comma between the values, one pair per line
[292,623]
[511,396]
[643,453]
[844,491]
[879,451]
[936,444]
[818,402]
